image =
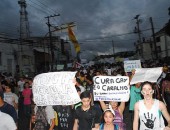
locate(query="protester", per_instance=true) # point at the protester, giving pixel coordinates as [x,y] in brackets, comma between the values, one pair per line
[107,121]
[27,93]
[118,110]
[7,108]
[6,122]
[166,91]
[9,97]
[32,122]
[150,111]
[135,96]
[86,117]
[65,117]
[48,115]
[21,83]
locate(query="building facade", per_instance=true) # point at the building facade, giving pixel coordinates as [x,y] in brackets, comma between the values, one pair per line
[146,50]
[33,55]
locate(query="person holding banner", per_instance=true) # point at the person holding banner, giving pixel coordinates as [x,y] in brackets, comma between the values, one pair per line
[150,111]
[107,120]
[118,110]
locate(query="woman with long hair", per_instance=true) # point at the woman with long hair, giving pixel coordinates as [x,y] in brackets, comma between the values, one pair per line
[150,111]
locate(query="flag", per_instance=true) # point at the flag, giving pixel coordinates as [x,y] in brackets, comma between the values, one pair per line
[73,39]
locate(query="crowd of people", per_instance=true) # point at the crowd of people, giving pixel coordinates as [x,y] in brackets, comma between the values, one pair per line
[149,104]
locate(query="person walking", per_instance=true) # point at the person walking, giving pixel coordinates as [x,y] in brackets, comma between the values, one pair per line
[150,111]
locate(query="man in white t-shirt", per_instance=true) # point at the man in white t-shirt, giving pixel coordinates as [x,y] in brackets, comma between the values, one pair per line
[21,83]
[6,122]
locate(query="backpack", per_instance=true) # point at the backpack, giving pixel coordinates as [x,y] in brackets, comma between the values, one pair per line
[41,122]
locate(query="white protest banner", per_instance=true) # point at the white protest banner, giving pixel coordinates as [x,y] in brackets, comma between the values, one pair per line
[55,88]
[111,88]
[146,74]
[129,65]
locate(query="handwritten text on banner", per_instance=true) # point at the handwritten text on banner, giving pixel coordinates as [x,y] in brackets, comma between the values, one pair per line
[129,65]
[111,88]
[55,88]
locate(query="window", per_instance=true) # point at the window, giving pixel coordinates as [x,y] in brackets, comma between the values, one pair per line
[158,39]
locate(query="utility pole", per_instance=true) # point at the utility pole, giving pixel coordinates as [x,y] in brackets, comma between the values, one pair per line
[50,38]
[154,40]
[138,28]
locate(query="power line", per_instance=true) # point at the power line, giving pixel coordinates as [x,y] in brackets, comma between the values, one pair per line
[49,12]
[45,5]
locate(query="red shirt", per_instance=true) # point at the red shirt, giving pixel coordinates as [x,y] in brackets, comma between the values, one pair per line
[27,96]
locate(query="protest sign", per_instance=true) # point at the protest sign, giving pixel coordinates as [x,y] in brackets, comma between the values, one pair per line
[129,65]
[55,88]
[146,74]
[60,67]
[111,88]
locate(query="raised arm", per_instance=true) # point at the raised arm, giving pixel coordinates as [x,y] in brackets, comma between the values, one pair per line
[103,105]
[133,73]
[121,107]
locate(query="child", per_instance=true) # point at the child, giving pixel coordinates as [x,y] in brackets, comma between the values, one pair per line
[108,118]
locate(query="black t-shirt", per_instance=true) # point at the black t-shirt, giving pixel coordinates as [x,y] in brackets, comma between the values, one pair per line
[87,119]
[65,117]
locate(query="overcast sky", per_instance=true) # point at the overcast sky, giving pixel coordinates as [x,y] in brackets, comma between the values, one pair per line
[99,23]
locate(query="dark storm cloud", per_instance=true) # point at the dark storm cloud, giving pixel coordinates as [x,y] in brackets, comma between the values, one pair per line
[9,19]
[98,20]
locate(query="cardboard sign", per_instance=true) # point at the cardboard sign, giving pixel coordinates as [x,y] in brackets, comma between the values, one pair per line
[55,88]
[111,88]
[129,65]
[146,74]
